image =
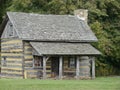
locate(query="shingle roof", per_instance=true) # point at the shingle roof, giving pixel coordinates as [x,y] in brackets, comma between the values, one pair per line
[49,48]
[51,27]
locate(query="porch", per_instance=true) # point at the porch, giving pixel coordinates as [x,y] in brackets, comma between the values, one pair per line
[65,60]
[65,67]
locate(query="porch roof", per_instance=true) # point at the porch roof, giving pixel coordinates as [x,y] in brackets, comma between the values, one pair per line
[51,48]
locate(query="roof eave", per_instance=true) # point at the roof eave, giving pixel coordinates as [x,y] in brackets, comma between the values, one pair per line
[46,40]
[70,54]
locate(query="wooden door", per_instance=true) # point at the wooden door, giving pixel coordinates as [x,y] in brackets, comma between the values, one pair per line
[55,66]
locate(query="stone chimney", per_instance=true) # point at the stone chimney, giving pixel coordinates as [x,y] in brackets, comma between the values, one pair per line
[81,14]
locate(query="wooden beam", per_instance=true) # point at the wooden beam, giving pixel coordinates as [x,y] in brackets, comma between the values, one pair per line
[25,75]
[77,68]
[47,58]
[60,67]
[44,67]
[93,67]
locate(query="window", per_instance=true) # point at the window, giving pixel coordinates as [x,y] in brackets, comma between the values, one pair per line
[72,62]
[37,62]
[11,31]
[4,61]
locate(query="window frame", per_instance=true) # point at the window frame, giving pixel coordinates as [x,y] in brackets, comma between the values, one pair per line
[70,61]
[11,32]
[4,61]
[40,64]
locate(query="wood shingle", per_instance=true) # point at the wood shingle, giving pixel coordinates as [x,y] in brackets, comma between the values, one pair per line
[51,27]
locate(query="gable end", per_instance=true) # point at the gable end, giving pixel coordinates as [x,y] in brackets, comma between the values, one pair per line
[9,31]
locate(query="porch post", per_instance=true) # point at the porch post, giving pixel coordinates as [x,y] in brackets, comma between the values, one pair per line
[77,68]
[44,67]
[60,67]
[93,67]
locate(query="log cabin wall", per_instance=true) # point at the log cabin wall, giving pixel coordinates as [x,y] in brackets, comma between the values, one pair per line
[17,62]
[11,58]
[85,67]
[67,70]
[48,68]
[29,70]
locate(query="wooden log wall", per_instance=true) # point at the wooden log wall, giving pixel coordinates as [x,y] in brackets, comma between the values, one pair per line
[29,70]
[11,58]
[48,68]
[85,67]
[67,71]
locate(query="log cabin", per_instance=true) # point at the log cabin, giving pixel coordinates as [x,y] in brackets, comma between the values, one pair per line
[47,46]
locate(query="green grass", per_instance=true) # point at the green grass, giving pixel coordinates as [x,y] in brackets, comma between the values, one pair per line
[101,83]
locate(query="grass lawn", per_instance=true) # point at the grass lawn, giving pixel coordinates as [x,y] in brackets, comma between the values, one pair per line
[101,83]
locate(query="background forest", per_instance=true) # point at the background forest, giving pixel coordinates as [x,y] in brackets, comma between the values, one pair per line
[104,19]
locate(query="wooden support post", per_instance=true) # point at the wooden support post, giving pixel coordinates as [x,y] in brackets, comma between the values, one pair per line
[93,67]
[25,75]
[60,67]
[44,67]
[77,68]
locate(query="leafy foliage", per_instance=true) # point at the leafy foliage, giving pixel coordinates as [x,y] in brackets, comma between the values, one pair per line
[104,19]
